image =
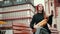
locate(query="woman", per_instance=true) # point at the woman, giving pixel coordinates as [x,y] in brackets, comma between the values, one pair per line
[38,18]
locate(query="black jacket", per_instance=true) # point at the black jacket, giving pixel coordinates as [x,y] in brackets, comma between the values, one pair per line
[39,17]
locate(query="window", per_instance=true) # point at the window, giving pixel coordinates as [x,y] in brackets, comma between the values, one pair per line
[18,0]
[55,25]
[1,3]
[52,12]
[6,2]
[51,4]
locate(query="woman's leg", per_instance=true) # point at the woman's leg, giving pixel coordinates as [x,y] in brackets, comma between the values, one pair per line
[38,31]
[44,31]
[41,30]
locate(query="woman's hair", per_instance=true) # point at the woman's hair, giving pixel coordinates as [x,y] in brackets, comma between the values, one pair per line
[37,8]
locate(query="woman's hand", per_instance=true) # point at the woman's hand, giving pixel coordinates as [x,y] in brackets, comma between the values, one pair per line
[36,26]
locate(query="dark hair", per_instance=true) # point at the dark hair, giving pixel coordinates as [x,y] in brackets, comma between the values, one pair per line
[37,8]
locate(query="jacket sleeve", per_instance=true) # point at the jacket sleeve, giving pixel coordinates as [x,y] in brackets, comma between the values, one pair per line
[50,20]
[32,22]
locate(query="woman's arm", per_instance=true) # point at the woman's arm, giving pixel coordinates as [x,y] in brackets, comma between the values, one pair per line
[42,23]
[32,22]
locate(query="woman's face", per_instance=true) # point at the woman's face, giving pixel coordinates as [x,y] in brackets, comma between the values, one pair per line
[40,7]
